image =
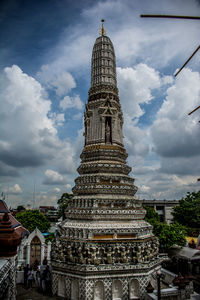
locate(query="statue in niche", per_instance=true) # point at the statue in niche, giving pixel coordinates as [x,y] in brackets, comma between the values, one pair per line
[74,290]
[117,255]
[134,289]
[124,253]
[54,253]
[134,258]
[107,133]
[96,258]
[129,253]
[70,257]
[139,255]
[99,291]
[108,138]
[117,290]
[110,253]
[81,259]
[149,251]
[102,255]
[89,256]
[59,251]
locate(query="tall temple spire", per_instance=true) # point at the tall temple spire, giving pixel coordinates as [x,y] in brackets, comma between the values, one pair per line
[104,249]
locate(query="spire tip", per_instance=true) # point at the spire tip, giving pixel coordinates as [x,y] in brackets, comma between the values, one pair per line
[102,30]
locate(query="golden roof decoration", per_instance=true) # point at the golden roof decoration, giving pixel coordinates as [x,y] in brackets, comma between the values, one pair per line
[102,29]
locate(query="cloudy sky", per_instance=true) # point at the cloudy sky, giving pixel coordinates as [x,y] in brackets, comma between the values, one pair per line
[45,56]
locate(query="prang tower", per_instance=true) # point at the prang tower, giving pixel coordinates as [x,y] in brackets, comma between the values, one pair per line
[104,250]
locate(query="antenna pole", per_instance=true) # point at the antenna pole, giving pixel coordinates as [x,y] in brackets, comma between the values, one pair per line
[170,16]
[187,61]
[193,110]
[34,194]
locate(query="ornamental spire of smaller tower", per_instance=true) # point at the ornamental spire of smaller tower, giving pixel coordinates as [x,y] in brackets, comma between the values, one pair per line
[103,71]
[102,30]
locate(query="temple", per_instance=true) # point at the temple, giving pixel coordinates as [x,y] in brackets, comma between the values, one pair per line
[104,249]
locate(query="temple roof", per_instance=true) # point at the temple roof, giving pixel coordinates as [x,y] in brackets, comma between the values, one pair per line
[11,232]
[3,207]
[185,253]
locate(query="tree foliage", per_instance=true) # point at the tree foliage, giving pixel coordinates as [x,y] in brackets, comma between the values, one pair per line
[63,204]
[151,215]
[168,235]
[187,212]
[31,219]
[20,208]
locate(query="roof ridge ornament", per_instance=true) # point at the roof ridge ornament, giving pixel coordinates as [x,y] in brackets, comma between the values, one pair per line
[102,29]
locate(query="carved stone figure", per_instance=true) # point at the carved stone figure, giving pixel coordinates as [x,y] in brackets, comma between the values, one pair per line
[96,258]
[70,257]
[81,259]
[124,258]
[110,253]
[139,255]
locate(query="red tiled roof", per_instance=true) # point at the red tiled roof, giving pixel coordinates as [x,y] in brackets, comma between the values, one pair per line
[14,223]
[3,207]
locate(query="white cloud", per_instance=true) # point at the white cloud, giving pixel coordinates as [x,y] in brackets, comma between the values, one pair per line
[28,136]
[175,140]
[78,116]
[61,82]
[14,190]
[136,139]
[57,190]
[53,177]
[173,136]
[135,86]
[174,133]
[50,200]
[25,126]
[58,119]
[71,102]
[64,83]
[68,187]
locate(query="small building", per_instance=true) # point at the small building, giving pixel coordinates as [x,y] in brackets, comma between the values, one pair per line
[162,207]
[171,287]
[33,248]
[50,212]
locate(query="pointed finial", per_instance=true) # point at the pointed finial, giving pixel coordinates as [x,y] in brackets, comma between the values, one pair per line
[102,30]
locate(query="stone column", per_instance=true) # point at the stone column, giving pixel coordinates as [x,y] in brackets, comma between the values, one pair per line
[42,252]
[165,210]
[28,254]
[103,129]
[49,252]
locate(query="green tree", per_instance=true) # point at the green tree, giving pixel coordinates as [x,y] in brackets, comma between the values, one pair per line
[63,204]
[151,215]
[168,235]
[20,208]
[31,219]
[187,212]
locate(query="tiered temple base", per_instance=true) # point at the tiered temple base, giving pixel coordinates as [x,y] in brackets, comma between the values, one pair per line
[102,261]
